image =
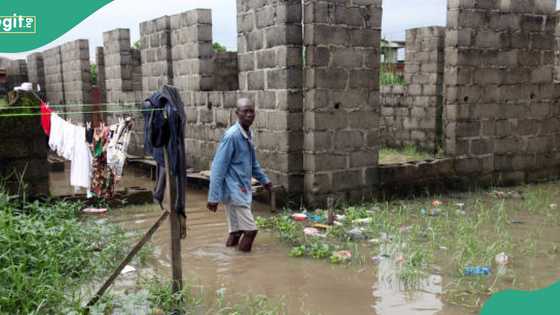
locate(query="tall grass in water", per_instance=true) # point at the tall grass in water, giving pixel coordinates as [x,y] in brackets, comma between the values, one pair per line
[47,254]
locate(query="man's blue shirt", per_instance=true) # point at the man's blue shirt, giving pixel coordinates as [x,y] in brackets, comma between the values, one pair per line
[234,164]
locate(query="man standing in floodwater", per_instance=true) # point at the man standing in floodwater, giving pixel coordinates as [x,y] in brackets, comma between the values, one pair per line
[234,165]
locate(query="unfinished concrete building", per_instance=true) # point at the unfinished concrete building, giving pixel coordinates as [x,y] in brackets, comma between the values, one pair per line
[484,88]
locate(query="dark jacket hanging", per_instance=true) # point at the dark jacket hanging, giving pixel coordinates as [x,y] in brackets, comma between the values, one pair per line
[167,133]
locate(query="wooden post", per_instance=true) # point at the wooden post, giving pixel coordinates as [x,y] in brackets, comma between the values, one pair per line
[171,192]
[125,262]
[330,211]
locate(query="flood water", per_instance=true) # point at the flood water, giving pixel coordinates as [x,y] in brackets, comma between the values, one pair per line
[306,286]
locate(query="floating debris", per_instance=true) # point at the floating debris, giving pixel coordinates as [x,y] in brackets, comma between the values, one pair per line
[299,217]
[377,259]
[343,254]
[362,221]
[432,212]
[356,234]
[477,271]
[340,217]
[507,195]
[436,203]
[127,269]
[320,226]
[310,231]
[502,259]
[94,210]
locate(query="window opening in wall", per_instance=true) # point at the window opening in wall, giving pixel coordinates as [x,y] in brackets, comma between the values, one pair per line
[411,84]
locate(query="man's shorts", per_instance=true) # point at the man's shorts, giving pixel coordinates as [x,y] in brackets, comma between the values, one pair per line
[240,218]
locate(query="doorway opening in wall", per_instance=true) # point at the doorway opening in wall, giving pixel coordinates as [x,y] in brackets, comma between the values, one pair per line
[411,82]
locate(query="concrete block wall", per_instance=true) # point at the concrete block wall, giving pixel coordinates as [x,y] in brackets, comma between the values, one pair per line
[425,56]
[23,151]
[17,72]
[226,71]
[191,50]
[342,110]
[54,79]
[155,43]
[395,110]
[209,114]
[101,77]
[122,65]
[412,113]
[36,69]
[270,56]
[501,108]
[76,71]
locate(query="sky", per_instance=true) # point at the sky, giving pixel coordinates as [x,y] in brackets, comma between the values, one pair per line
[398,15]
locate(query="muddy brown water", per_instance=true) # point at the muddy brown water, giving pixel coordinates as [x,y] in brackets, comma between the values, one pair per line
[306,286]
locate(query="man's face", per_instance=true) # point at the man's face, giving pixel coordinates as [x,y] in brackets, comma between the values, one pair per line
[246,115]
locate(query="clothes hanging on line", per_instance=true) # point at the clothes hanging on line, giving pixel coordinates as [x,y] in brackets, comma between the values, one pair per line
[45,118]
[102,181]
[87,150]
[118,146]
[80,169]
[56,136]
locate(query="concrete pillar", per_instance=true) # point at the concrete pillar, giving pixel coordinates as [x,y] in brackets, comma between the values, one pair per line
[270,53]
[155,43]
[424,66]
[76,71]
[120,68]
[101,76]
[54,84]
[341,123]
[191,52]
[36,69]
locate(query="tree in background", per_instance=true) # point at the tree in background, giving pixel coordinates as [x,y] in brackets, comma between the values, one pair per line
[219,48]
[136,44]
[93,71]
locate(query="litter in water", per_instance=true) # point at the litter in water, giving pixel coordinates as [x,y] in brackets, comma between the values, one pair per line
[310,231]
[477,271]
[299,217]
[94,210]
[127,269]
[356,234]
[362,221]
[343,255]
[502,259]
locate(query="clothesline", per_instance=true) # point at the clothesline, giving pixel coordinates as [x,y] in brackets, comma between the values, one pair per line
[88,112]
[75,105]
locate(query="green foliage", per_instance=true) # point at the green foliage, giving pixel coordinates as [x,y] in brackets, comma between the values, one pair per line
[297,251]
[47,253]
[389,76]
[219,48]
[137,44]
[93,72]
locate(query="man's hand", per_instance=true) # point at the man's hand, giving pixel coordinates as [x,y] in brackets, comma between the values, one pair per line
[268,186]
[212,206]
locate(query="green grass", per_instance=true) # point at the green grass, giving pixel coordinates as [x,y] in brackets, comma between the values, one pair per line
[47,254]
[458,237]
[406,154]
[3,102]
[389,76]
